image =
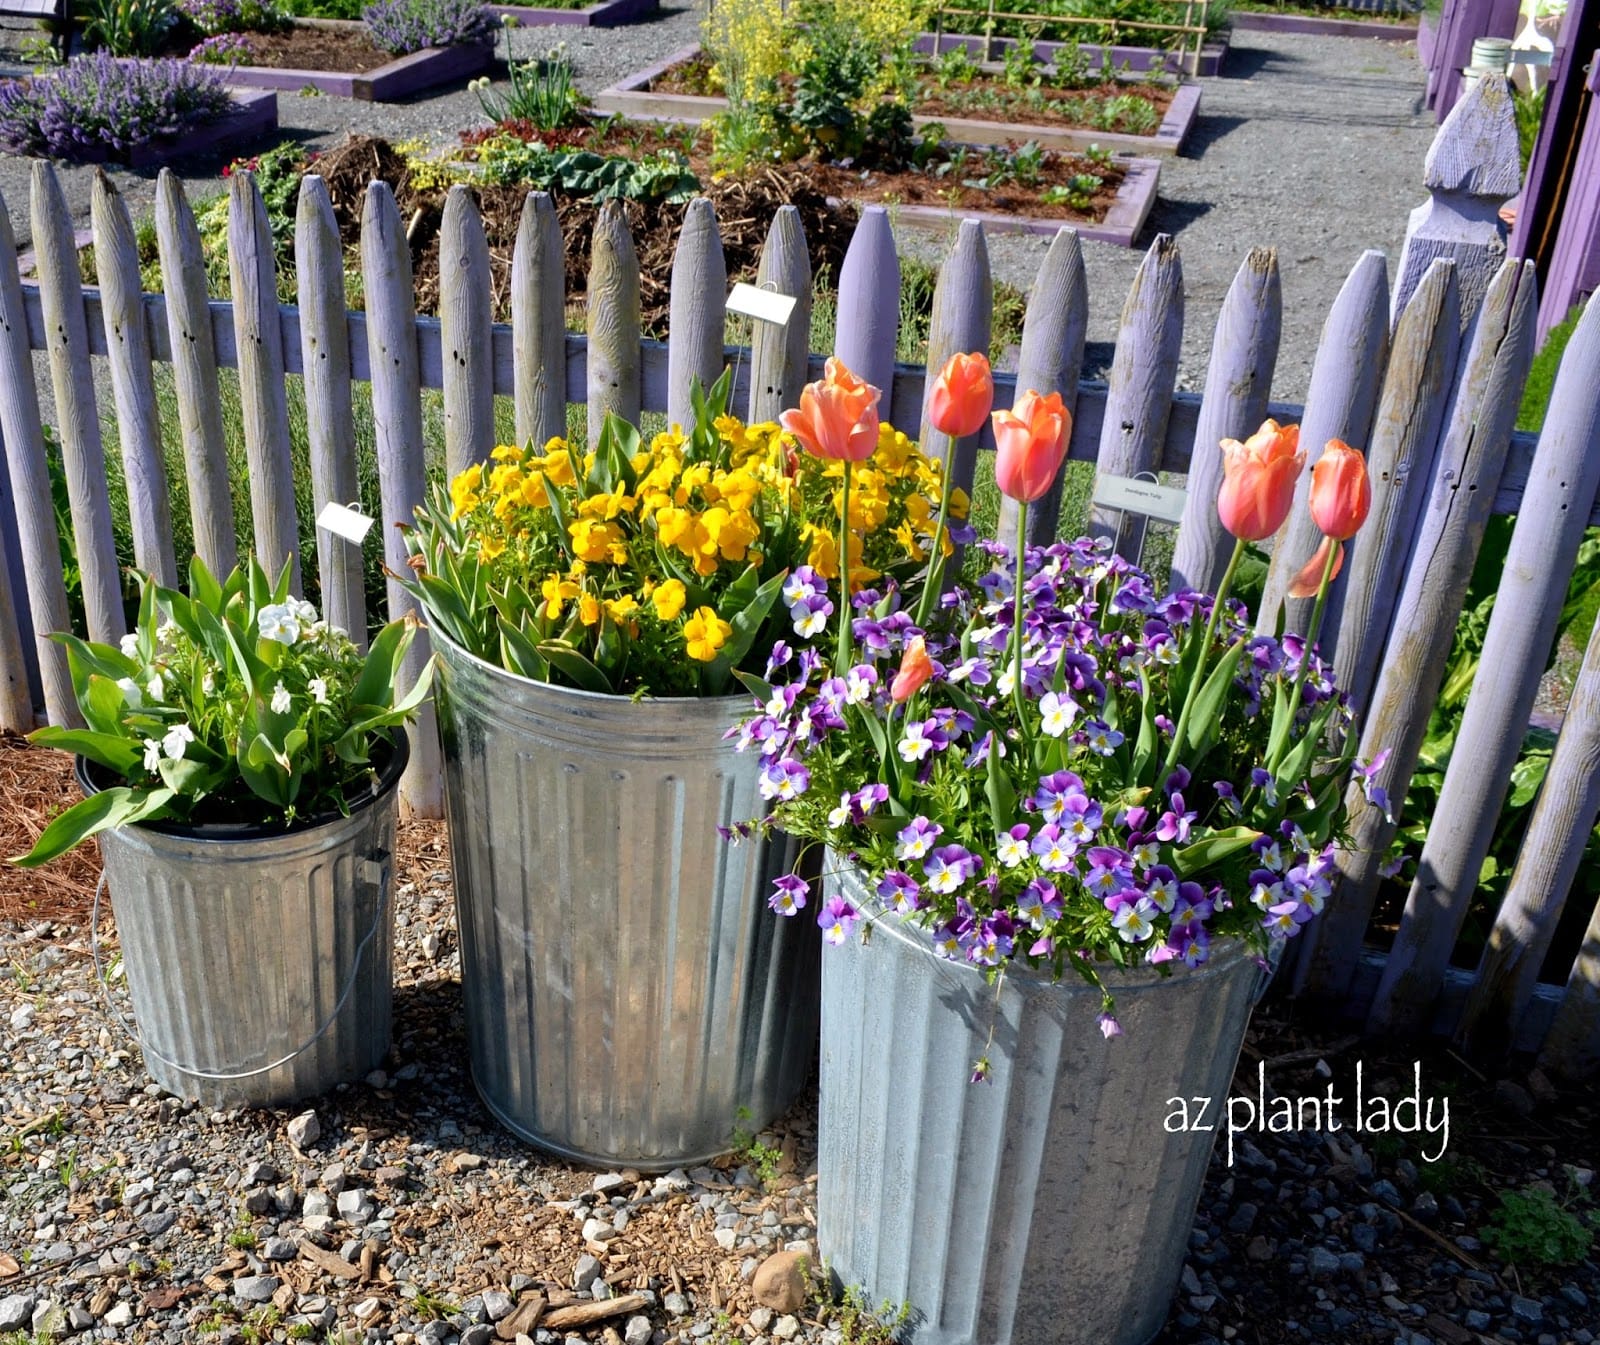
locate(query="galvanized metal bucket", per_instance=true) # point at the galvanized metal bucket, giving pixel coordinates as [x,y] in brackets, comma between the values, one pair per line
[630,999]
[1049,1206]
[260,965]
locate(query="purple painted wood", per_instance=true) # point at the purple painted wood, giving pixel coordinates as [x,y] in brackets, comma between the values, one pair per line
[1139,394]
[1339,405]
[607,14]
[1574,269]
[1462,23]
[963,310]
[869,301]
[698,316]
[1427,38]
[1468,471]
[1245,21]
[397,78]
[1212,55]
[257,116]
[1543,550]
[1053,332]
[17,583]
[1244,353]
[1472,168]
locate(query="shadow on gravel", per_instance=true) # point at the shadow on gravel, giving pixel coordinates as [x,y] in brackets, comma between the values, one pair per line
[1207,131]
[1170,217]
[1247,62]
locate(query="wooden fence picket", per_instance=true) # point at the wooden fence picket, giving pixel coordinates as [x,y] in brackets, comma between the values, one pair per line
[1244,353]
[330,417]
[615,379]
[1139,398]
[1340,402]
[77,415]
[263,398]
[538,323]
[194,374]
[780,355]
[1405,435]
[31,496]
[16,696]
[698,314]
[963,311]
[466,330]
[1467,471]
[868,320]
[133,383]
[1555,510]
[402,472]
[1572,1046]
[1051,359]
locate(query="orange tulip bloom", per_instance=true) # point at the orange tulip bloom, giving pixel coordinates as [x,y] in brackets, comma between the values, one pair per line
[1341,496]
[1030,443]
[837,416]
[961,396]
[1258,478]
[915,669]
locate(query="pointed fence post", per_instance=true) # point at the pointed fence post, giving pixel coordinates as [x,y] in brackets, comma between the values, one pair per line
[32,498]
[330,420]
[194,376]
[868,320]
[77,414]
[698,316]
[614,374]
[1139,398]
[1405,435]
[1345,379]
[397,421]
[779,356]
[1550,523]
[133,383]
[1051,360]
[263,400]
[538,323]
[963,310]
[17,580]
[466,333]
[1472,168]
[1244,353]
[1572,1046]
[1466,475]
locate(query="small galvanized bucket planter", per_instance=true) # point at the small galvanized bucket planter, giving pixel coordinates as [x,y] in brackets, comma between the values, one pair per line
[1049,1206]
[630,999]
[260,963]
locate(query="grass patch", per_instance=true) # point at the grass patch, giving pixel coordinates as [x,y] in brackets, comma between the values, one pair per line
[1542,374]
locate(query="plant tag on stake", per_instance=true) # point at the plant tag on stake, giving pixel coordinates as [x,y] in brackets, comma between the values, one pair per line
[762,305]
[1135,495]
[343,521]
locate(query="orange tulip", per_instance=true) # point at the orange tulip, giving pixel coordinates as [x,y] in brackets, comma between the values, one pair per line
[837,416]
[1258,479]
[1030,442]
[915,669]
[1341,495]
[962,395]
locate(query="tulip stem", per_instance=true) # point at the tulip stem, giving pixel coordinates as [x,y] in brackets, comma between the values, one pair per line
[1198,675]
[936,553]
[1016,616]
[1334,552]
[841,660]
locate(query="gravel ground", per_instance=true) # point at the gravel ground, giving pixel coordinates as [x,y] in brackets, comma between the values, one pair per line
[1312,145]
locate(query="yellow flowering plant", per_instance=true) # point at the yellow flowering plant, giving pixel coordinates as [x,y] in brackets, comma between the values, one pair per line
[658,568]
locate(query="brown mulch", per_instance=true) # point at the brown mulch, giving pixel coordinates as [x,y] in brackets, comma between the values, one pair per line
[36,783]
[323,49]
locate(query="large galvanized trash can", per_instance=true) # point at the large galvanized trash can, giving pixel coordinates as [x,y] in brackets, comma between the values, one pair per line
[630,999]
[1049,1206]
[260,965]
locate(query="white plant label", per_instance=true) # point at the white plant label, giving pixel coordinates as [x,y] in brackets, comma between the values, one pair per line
[1135,496]
[343,521]
[762,305]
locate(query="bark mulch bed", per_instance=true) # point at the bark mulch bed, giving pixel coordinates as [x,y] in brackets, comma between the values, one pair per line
[36,784]
[305,48]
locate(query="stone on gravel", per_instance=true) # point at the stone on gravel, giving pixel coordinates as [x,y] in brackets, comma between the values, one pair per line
[598,1230]
[279,1249]
[304,1130]
[787,1328]
[639,1331]
[727,1238]
[49,1319]
[1529,1310]
[256,1288]
[780,1282]
[1321,1263]
[156,1224]
[585,1273]
[333,1179]
[356,1207]
[496,1305]
[118,1315]
[608,1182]
[79,1318]
[676,1304]
[16,1311]
[479,1334]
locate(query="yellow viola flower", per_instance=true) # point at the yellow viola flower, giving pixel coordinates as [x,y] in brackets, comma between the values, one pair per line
[622,610]
[960,503]
[592,541]
[672,523]
[533,493]
[490,546]
[506,453]
[556,591]
[556,464]
[704,634]
[588,609]
[464,496]
[669,599]
[505,478]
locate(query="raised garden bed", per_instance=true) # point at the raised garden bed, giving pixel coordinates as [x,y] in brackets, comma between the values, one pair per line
[339,57]
[257,116]
[606,14]
[654,94]
[1274,21]
[1139,59]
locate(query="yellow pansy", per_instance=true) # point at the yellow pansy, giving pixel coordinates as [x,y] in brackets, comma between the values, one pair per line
[704,634]
[533,493]
[595,541]
[490,546]
[669,599]
[556,590]
[464,491]
[506,453]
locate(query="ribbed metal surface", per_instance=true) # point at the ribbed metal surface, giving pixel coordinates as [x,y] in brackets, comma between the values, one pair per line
[238,951]
[628,993]
[1047,1207]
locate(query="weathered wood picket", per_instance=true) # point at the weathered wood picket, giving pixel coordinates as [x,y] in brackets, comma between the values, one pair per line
[1432,399]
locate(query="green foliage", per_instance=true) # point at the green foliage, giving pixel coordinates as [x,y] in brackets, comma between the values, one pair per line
[325,9]
[1542,374]
[128,27]
[1531,1229]
[659,177]
[542,92]
[1528,105]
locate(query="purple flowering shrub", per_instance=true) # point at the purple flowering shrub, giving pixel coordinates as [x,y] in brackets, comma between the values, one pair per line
[404,26]
[1041,825]
[101,106]
[213,17]
[221,49]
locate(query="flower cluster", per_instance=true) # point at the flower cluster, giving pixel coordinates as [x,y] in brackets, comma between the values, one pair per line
[99,106]
[405,26]
[222,49]
[213,17]
[232,703]
[663,566]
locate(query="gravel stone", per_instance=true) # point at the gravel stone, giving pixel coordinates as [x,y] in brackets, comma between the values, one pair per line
[279,1249]
[16,1311]
[585,1273]
[497,1305]
[256,1288]
[1529,1310]
[305,1130]
[1322,1263]
[676,1304]
[479,1334]
[639,1331]
[118,1315]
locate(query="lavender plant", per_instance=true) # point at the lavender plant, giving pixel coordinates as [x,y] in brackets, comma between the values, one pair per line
[404,26]
[212,17]
[100,106]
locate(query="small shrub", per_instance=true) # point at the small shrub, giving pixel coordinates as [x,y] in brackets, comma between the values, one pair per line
[405,26]
[542,92]
[101,107]
[232,16]
[1530,1228]
[128,27]
[228,49]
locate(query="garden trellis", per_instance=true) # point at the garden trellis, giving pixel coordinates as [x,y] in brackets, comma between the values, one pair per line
[1431,391]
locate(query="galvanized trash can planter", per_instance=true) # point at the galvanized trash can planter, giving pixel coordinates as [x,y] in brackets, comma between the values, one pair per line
[1049,1206]
[630,999]
[260,963]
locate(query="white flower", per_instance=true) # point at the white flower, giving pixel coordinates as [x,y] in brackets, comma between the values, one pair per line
[177,737]
[152,755]
[131,694]
[155,687]
[277,622]
[208,683]
[319,690]
[1057,711]
[280,699]
[166,634]
[302,611]
[130,644]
